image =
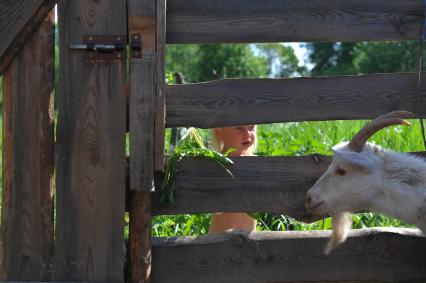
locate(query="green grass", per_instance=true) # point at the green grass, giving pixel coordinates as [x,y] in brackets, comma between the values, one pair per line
[296,139]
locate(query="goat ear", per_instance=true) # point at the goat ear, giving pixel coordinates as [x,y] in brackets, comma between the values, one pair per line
[355,159]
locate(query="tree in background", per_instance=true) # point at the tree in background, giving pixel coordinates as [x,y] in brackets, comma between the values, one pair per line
[331,58]
[362,57]
[230,61]
[182,59]
[386,57]
[281,60]
[198,62]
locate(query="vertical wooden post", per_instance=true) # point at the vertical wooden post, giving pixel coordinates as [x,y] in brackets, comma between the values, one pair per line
[160,113]
[142,23]
[27,212]
[143,95]
[90,147]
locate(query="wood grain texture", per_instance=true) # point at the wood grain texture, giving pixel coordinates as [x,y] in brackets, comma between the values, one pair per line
[7,167]
[18,21]
[222,21]
[140,237]
[160,114]
[142,113]
[142,96]
[27,212]
[255,101]
[142,116]
[142,22]
[90,148]
[386,254]
[261,184]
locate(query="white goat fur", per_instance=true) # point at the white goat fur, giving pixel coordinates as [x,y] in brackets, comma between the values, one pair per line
[376,180]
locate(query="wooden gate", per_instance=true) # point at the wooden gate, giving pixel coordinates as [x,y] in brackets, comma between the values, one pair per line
[78,234]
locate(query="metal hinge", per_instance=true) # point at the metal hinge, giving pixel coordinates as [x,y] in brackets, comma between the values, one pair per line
[103,47]
[136,45]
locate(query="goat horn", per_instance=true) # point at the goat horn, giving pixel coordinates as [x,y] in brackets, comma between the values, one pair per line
[396,114]
[392,118]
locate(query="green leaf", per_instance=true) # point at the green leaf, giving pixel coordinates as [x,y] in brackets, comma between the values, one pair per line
[191,145]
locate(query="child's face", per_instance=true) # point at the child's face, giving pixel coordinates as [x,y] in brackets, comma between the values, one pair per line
[240,138]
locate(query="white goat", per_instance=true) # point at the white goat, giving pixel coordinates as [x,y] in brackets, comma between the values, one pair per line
[365,177]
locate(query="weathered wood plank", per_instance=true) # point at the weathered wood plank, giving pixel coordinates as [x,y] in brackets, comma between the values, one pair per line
[18,21]
[387,255]
[222,21]
[27,212]
[7,167]
[161,85]
[142,116]
[140,236]
[255,101]
[90,148]
[142,23]
[261,184]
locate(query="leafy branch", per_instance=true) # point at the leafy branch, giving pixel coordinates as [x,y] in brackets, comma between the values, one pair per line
[190,145]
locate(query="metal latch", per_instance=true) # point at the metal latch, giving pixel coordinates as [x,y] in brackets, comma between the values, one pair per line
[102,47]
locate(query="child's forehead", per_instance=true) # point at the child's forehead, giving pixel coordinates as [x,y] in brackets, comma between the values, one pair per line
[241,126]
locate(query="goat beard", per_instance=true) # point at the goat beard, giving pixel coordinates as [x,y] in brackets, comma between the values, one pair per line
[342,223]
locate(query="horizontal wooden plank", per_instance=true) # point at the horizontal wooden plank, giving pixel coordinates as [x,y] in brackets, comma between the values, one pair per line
[18,21]
[255,101]
[380,254]
[223,21]
[261,184]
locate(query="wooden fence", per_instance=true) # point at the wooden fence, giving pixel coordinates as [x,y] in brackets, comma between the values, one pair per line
[78,235]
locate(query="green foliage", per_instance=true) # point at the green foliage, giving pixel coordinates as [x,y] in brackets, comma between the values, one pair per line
[230,61]
[198,62]
[302,138]
[363,57]
[183,59]
[331,58]
[180,225]
[386,57]
[190,145]
[281,60]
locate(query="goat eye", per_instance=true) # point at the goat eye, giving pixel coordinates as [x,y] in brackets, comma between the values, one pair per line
[340,171]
